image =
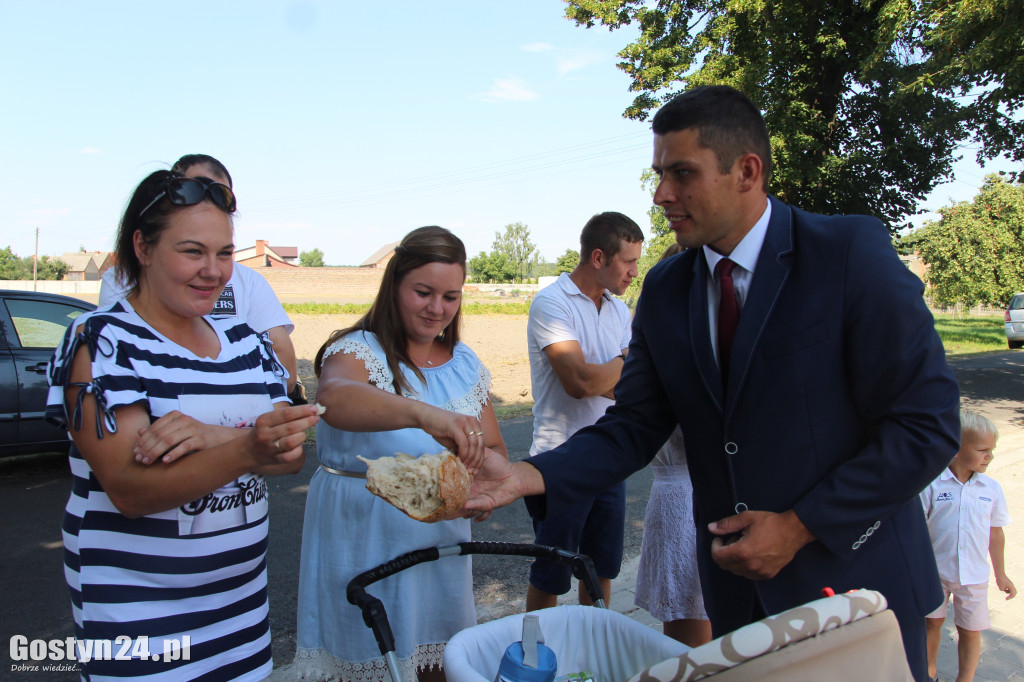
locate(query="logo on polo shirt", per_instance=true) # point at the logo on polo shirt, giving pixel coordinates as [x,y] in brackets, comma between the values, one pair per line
[985,499]
[944,497]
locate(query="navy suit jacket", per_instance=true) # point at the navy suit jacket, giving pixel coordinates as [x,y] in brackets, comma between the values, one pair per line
[840,406]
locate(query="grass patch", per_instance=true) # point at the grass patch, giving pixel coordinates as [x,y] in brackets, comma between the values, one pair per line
[512,410]
[963,335]
[477,308]
[326,308]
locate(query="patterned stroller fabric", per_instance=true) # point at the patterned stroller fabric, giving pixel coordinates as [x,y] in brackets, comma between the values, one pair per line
[853,632]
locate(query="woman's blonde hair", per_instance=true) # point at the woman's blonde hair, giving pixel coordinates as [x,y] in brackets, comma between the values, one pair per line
[422,246]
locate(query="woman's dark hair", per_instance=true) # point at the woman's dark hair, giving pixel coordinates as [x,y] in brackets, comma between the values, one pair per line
[150,224]
[422,246]
[184,163]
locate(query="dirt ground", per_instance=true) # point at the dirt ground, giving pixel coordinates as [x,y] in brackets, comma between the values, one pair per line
[499,341]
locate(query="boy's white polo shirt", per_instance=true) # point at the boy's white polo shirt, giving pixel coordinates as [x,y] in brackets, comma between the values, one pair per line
[960,518]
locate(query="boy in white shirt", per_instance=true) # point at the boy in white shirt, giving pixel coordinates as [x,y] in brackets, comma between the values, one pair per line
[966,512]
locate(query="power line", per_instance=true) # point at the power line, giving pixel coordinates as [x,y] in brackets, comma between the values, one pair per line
[561,161]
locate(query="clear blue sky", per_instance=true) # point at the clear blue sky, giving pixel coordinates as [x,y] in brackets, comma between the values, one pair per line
[344,124]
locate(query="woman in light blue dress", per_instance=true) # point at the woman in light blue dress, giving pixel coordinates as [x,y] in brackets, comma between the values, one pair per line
[399,380]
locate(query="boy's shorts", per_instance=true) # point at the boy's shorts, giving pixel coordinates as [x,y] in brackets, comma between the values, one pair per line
[970,605]
[594,527]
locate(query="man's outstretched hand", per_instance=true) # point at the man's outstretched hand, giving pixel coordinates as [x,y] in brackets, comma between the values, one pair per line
[500,482]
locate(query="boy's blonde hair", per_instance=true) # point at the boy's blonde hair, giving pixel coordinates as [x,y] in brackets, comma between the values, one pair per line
[976,423]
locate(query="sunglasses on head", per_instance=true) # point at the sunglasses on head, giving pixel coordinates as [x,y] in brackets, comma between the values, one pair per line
[190,191]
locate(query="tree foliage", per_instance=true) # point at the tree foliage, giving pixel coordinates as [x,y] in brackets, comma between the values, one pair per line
[313,258]
[542,268]
[662,237]
[10,264]
[975,251]
[491,267]
[515,245]
[46,267]
[975,50]
[13,267]
[567,262]
[851,133]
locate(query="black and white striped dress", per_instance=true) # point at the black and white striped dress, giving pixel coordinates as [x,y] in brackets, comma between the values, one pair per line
[198,570]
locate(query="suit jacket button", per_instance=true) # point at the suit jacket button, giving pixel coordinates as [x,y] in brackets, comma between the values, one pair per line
[731,448]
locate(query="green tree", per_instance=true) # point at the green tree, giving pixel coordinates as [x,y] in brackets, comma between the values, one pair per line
[12,267]
[312,259]
[515,245]
[46,267]
[975,251]
[567,262]
[491,267]
[847,136]
[662,237]
[542,268]
[975,50]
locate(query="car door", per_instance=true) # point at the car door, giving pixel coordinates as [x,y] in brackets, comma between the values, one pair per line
[9,413]
[33,327]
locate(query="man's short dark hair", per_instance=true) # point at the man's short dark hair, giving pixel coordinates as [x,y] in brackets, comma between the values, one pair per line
[727,123]
[606,231]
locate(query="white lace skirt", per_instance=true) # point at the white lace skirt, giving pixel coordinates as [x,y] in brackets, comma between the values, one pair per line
[318,665]
[667,584]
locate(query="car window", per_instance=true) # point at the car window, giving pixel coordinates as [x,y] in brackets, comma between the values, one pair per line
[1017,302]
[40,324]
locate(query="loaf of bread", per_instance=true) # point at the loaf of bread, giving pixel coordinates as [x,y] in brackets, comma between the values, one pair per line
[428,488]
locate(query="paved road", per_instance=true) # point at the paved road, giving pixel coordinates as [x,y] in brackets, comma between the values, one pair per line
[34,601]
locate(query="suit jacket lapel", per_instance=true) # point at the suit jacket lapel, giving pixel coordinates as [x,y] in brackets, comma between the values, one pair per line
[700,331]
[769,277]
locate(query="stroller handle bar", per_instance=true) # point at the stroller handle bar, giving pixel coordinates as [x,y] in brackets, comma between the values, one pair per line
[373,611]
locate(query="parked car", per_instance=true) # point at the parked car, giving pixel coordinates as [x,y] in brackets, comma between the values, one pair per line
[1015,322]
[32,325]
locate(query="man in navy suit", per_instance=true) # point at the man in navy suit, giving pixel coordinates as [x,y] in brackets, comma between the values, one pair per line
[810,436]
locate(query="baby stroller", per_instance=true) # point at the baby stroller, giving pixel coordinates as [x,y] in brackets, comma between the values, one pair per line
[573,632]
[843,636]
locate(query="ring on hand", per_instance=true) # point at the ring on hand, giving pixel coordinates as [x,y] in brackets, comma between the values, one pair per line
[277,444]
[474,433]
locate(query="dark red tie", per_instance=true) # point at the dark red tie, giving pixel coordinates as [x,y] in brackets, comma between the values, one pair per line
[728,313]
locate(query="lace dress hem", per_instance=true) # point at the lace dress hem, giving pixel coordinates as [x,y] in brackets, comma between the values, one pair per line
[319,665]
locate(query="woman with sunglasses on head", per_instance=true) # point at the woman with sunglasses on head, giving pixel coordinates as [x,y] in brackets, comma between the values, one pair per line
[399,380]
[247,295]
[169,553]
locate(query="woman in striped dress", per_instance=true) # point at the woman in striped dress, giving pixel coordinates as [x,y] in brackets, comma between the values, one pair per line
[175,418]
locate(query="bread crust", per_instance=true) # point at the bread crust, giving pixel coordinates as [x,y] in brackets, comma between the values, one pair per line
[452,483]
[454,490]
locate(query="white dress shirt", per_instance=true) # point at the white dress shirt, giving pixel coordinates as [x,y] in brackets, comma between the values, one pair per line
[745,257]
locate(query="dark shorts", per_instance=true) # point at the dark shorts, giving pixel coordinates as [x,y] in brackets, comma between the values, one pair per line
[594,527]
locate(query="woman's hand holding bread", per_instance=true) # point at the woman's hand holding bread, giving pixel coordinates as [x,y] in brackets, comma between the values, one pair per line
[459,433]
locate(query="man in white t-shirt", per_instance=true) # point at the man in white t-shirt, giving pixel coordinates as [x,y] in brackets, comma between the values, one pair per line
[578,335]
